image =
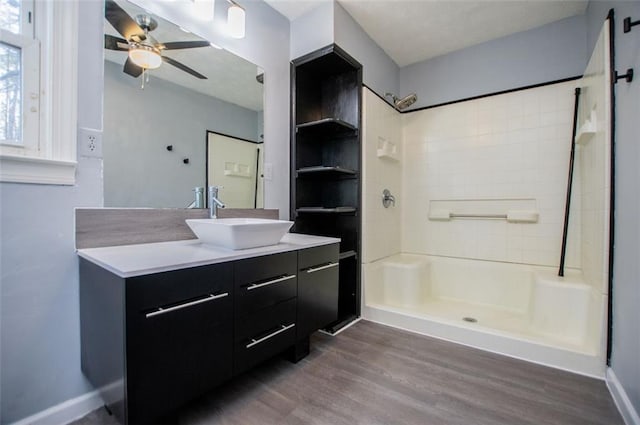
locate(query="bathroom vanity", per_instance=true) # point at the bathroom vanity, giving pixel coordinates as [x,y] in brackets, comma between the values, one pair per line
[162,323]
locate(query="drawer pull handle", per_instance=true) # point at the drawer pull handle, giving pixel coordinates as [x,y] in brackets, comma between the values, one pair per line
[317,269]
[210,297]
[271,282]
[271,335]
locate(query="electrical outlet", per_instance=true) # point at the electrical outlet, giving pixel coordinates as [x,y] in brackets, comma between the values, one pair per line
[89,142]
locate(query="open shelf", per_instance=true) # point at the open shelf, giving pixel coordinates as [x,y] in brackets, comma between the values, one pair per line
[348,254]
[325,126]
[325,210]
[324,170]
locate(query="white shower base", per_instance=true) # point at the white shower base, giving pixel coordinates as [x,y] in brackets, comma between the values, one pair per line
[521,311]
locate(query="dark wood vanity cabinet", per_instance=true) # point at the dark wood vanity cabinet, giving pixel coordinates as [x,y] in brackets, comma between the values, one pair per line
[154,342]
[179,337]
[265,318]
[151,343]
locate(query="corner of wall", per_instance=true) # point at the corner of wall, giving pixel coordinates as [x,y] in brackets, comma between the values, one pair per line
[312,31]
[620,397]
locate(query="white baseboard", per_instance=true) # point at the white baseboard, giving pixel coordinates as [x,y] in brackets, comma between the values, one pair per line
[628,412]
[65,412]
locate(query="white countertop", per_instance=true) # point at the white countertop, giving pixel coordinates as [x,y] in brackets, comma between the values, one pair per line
[136,260]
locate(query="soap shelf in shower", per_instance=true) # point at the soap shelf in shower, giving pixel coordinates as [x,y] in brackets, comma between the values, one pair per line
[387,149]
[335,171]
[587,129]
[328,126]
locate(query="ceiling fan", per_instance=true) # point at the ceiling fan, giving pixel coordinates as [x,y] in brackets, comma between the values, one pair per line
[144,51]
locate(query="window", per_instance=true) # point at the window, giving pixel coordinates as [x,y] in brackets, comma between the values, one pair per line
[19,85]
[37,91]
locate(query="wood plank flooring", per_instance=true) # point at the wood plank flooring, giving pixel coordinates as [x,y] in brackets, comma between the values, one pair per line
[376,375]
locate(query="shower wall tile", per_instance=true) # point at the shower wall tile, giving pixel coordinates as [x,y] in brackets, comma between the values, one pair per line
[381,227]
[514,145]
[595,155]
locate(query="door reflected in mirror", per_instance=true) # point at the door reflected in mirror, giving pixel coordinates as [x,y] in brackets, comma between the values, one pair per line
[155,138]
[235,165]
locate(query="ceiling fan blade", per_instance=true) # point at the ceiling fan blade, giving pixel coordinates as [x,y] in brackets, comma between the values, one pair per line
[183,67]
[115,43]
[121,21]
[131,68]
[172,45]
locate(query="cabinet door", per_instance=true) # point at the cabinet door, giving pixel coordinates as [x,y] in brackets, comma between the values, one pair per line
[317,288]
[178,349]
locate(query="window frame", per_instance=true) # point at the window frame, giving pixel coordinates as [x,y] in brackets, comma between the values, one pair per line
[54,161]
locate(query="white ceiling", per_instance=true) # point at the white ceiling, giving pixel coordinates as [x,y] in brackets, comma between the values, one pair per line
[229,77]
[411,31]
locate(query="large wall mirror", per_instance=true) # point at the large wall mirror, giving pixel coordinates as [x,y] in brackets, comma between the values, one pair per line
[168,130]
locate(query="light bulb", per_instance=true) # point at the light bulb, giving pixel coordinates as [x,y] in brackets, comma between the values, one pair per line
[203,9]
[145,57]
[235,21]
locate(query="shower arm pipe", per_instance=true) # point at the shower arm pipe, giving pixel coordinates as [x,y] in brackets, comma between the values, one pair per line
[565,229]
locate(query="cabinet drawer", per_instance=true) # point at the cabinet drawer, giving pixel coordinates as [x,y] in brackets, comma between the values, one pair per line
[264,334]
[178,288]
[261,294]
[265,281]
[260,269]
[248,326]
[318,256]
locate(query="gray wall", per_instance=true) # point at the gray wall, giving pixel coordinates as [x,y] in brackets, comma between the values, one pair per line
[139,124]
[380,72]
[626,269]
[330,23]
[312,31]
[40,337]
[39,318]
[551,52]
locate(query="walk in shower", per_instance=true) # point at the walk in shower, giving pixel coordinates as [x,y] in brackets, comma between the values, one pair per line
[469,251]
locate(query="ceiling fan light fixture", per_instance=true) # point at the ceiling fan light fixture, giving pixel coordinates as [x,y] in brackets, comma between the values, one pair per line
[236,20]
[146,57]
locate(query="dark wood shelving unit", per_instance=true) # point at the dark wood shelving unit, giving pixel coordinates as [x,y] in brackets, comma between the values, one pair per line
[326,102]
[327,126]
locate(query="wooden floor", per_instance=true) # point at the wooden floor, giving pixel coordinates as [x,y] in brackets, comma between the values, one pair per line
[376,375]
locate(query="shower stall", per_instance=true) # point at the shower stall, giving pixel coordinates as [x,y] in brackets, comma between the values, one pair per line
[469,249]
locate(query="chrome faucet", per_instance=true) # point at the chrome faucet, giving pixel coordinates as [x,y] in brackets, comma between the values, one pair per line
[214,202]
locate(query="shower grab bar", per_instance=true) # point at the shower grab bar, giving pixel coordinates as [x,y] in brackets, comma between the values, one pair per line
[504,216]
[512,216]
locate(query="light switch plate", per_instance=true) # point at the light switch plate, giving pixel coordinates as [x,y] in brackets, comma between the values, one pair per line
[268,171]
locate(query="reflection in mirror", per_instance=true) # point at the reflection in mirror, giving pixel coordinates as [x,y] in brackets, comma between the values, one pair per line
[236,165]
[150,132]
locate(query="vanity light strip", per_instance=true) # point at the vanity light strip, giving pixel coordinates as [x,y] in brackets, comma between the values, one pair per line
[271,335]
[161,310]
[271,282]
[317,269]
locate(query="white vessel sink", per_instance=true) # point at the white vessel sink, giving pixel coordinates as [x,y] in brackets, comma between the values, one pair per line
[239,233]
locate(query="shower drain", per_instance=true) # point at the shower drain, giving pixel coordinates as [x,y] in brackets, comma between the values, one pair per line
[470,319]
